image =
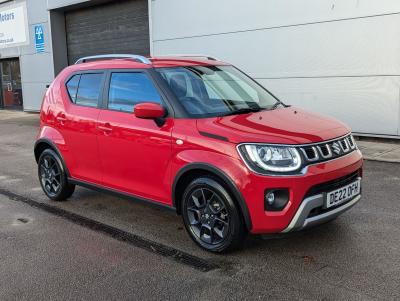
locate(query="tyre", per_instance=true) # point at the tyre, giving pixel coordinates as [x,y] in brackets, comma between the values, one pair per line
[211,217]
[53,178]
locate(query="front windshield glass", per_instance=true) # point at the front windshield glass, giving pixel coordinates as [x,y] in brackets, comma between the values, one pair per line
[206,91]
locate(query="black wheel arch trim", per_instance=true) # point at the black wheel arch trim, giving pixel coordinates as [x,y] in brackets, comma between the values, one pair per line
[56,150]
[223,176]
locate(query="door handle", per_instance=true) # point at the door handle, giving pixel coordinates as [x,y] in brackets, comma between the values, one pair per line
[105,128]
[61,119]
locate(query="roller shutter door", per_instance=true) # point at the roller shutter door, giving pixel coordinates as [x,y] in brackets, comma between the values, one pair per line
[119,27]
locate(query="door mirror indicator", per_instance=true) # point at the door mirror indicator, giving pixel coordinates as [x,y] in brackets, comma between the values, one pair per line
[149,110]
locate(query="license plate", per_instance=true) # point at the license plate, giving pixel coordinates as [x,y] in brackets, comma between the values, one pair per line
[343,194]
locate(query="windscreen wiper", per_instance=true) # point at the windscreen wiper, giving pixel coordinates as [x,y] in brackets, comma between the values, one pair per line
[276,105]
[243,111]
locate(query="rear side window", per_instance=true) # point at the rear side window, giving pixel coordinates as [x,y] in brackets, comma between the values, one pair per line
[130,88]
[84,89]
[89,89]
[72,87]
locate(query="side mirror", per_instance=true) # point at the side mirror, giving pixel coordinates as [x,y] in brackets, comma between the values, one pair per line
[149,110]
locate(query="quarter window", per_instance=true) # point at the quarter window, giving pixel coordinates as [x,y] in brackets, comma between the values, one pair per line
[130,88]
[72,87]
[89,89]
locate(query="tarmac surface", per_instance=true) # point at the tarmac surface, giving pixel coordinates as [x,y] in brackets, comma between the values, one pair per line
[100,247]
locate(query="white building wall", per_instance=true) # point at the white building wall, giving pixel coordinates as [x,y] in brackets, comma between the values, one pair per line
[340,58]
[36,68]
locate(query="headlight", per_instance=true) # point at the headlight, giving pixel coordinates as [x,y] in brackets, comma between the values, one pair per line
[270,157]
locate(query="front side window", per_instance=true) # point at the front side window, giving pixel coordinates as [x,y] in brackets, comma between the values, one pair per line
[216,90]
[89,89]
[130,88]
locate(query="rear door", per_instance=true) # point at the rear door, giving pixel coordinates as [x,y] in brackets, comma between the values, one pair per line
[135,153]
[78,124]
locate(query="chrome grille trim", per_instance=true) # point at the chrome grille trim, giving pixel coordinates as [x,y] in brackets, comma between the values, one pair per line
[346,146]
[351,141]
[316,154]
[328,150]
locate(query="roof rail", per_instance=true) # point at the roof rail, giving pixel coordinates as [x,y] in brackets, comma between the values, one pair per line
[208,57]
[138,58]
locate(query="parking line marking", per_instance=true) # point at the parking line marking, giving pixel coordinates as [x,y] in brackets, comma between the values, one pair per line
[118,234]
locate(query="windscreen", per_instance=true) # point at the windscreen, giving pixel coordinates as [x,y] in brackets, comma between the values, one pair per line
[206,91]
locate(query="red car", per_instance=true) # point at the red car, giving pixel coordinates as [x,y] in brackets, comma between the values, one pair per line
[199,136]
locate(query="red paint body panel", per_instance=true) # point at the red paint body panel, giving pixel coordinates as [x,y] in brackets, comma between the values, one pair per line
[272,222]
[149,111]
[224,155]
[284,126]
[136,156]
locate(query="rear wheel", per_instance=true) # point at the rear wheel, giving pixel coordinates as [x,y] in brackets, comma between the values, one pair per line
[211,216]
[53,178]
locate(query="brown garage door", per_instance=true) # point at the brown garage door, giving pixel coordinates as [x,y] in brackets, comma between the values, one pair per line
[119,27]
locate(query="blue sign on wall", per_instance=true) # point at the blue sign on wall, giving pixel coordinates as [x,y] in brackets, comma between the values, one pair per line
[39,38]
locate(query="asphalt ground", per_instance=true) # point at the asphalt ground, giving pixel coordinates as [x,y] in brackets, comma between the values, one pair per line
[100,247]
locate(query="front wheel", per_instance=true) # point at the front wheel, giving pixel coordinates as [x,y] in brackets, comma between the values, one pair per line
[211,216]
[53,178]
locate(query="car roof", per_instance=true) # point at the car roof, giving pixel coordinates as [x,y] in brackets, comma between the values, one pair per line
[156,62]
[160,62]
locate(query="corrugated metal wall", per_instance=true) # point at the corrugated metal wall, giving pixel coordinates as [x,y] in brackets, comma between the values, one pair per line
[337,57]
[118,27]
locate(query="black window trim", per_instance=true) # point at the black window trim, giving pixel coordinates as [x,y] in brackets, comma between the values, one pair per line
[100,100]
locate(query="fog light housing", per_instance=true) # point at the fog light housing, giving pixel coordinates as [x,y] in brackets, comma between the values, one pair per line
[276,199]
[270,198]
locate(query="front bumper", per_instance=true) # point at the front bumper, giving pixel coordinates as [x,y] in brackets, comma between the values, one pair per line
[306,193]
[302,219]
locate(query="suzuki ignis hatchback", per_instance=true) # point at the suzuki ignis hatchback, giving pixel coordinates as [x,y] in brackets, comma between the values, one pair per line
[197,135]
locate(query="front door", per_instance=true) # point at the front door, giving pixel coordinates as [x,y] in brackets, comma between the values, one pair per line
[134,153]
[11,92]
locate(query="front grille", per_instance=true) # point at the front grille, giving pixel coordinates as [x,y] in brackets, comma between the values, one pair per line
[325,151]
[332,185]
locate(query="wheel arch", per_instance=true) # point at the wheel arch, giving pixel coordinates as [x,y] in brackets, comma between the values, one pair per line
[43,144]
[193,170]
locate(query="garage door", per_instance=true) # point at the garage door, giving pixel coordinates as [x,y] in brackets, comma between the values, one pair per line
[119,27]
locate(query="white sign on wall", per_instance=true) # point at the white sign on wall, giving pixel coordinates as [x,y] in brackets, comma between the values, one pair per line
[13,25]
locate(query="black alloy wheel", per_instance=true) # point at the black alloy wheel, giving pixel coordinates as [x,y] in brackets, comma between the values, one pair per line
[211,217]
[52,176]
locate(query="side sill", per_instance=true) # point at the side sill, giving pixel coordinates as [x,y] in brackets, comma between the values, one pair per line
[121,194]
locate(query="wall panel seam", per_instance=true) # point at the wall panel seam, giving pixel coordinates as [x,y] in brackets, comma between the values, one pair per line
[277,27]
